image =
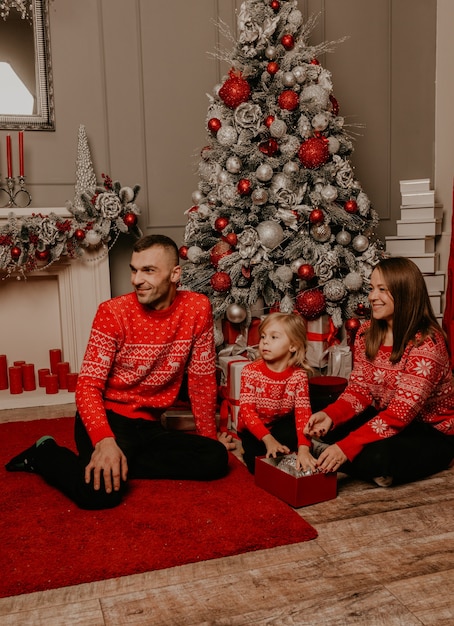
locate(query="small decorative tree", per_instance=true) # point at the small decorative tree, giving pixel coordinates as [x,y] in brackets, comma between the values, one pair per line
[278,220]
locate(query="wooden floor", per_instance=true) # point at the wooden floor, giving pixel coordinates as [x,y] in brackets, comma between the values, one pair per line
[382,557]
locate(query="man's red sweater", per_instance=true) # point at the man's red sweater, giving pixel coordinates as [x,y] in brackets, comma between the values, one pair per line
[136,358]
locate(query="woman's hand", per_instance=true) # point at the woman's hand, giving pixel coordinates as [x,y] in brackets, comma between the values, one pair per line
[318,425]
[304,460]
[273,447]
[331,459]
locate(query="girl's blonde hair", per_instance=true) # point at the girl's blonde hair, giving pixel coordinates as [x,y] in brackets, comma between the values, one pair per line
[295,329]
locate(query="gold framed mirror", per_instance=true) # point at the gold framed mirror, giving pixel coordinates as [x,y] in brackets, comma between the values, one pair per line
[26,71]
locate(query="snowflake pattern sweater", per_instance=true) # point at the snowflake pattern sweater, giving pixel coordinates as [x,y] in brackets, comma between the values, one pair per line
[266,396]
[418,387]
[135,361]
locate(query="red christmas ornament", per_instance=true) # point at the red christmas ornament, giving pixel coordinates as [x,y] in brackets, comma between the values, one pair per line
[269,147]
[269,120]
[79,234]
[42,255]
[352,324]
[235,90]
[351,206]
[218,251]
[306,271]
[221,281]
[310,303]
[288,100]
[272,68]
[214,124]
[314,62]
[316,216]
[275,5]
[334,105]
[362,310]
[183,252]
[193,209]
[288,41]
[314,152]
[15,252]
[221,223]
[130,219]
[231,238]
[244,187]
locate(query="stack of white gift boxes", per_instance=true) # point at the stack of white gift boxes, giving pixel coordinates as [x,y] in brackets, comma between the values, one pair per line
[417,230]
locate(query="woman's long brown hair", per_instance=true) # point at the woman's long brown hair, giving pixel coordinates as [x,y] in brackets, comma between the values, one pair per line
[413,311]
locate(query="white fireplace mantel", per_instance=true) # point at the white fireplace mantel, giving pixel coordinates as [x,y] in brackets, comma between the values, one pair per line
[75,289]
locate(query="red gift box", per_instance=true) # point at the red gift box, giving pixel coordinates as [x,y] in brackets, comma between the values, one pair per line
[230,331]
[253,337]
[296,491]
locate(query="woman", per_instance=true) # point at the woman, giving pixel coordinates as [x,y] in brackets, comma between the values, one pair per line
[394,423]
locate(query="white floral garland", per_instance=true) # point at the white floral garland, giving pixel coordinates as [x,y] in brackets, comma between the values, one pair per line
[28,244]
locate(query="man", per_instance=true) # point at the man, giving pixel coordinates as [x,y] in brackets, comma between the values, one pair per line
[140,346]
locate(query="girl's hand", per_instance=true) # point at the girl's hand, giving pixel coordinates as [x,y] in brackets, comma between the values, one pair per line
[304,460]
[273,447]
[318,425]
[331,459]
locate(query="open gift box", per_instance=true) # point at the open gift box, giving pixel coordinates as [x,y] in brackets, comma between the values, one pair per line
[296,491]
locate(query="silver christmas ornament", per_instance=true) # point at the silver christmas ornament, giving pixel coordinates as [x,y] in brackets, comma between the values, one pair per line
[92,238]
[271,53]
[314,98]
[194,253]
[353,281]
[343,238]
[291,168]
[223,177]
[264,172]
[236,313]
[304,126]
[334,290]
[233,164]
[360,243]
[288,79]
[227,136]
[321,232]
[278,128]
[329,193]
[270,234]
[259,196]
[197,196]
[333,145]
[299,73]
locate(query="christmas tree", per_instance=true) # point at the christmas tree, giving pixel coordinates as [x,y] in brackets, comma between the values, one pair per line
[279,221]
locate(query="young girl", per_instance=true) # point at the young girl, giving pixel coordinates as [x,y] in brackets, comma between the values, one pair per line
[274,394]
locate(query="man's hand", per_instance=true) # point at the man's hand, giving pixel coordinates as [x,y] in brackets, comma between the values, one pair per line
[227,440]
[109,461]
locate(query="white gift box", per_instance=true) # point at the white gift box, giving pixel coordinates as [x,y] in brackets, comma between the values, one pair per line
[421,212]
[435,282]
[435,301]
[231,367]
[422,198]
[415,185]
[426,262]
[418,228]
[340,360]
[404,246]
[317,333]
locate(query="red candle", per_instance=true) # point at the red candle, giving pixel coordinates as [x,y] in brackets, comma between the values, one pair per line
[51,383]
[3,372]
[28,376]
[9,159]
[55,358]
[42,373]
[72,381]
[21,153]
[15,379]
[62,373]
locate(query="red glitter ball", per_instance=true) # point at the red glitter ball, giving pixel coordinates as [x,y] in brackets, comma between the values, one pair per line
[314,152]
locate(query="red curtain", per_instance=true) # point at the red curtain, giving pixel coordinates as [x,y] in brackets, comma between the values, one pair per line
[448,315]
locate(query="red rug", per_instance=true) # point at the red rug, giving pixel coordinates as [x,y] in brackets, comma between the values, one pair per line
[47,542]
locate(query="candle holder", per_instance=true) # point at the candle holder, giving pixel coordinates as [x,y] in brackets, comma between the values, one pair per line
[15,197]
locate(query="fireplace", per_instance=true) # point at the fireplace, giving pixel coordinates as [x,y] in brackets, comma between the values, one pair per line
[50,308]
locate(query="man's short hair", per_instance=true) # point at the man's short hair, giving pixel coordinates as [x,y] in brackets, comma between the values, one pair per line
[148,241]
